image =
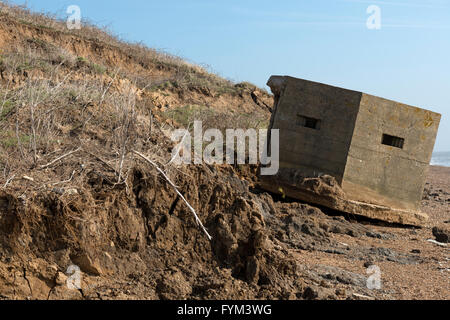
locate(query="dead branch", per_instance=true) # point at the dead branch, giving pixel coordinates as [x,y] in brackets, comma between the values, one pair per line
[28,178]
[66,181]
[102,161]
[197,219]
[60,158]
[9,181]
[179,147]
[128,119]
[102,99]
[19,143]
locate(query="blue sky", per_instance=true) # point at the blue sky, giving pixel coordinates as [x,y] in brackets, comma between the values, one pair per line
[321,40]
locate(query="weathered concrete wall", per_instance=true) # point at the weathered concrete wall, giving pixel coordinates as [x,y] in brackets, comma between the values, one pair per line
[378,150]
[397,173]
[314,151]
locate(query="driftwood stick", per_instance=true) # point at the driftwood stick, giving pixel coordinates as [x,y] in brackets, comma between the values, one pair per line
[60,158]
[197,219]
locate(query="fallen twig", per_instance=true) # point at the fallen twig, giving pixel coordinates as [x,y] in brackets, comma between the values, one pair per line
[66,181]
[28,178]
[102,161]
[60,158]
[9,181]
[197,219]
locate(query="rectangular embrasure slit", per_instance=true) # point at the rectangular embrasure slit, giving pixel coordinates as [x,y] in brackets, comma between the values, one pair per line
[308,122]
[393,141]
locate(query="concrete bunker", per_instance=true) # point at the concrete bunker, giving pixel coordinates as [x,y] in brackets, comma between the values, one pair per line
[351,151]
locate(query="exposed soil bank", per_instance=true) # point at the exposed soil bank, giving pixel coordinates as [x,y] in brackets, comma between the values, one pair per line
[144,244]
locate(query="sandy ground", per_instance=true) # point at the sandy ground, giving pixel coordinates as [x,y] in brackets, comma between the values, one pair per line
[426,279]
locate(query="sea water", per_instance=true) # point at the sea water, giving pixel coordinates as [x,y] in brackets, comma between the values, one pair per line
[441,159]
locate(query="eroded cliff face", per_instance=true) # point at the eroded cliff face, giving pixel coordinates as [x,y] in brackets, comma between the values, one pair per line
[140,241]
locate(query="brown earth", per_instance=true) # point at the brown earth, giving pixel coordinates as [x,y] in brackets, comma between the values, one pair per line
[145,245]
[105,211]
